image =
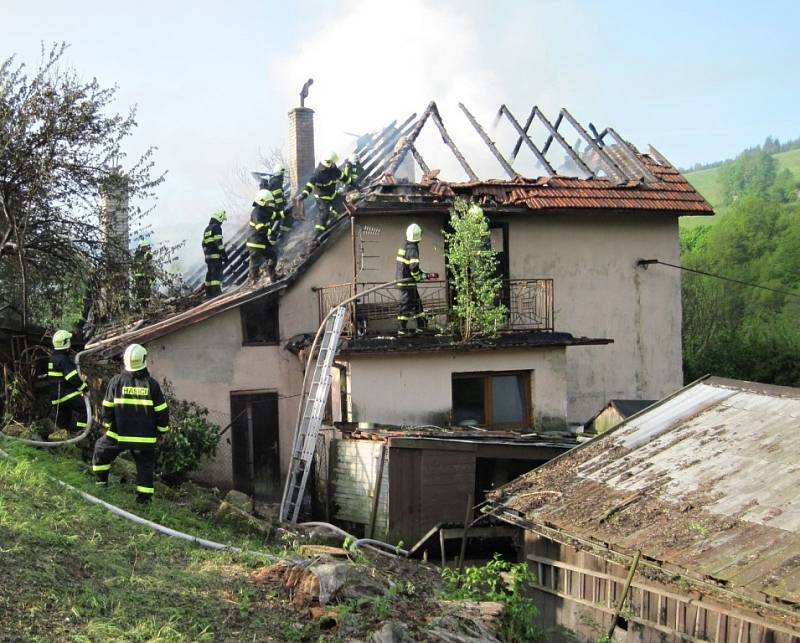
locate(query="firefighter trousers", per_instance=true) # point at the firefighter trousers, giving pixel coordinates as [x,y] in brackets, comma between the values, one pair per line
[410,308]
[70,415]
[213,283]
[106,451]
[260,257]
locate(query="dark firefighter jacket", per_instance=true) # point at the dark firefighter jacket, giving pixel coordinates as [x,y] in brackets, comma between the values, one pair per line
[142,259]
[213,248]
[134,410]
[324,180]
[260,217]
[408,265]
[275,185]
[62,373]
[353,173]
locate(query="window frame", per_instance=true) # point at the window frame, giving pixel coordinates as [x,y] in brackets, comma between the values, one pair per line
[488,407]
[265,301]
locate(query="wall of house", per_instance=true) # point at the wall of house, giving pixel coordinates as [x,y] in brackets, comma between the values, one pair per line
[598,290]
[415,388]
[578,590]
[206,362]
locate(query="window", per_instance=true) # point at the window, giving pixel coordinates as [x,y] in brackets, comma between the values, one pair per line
[492,399]
[259,322]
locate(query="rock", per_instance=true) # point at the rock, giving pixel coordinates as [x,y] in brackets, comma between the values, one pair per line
[392,632]
[124,469]
[233,516]
[466,622]
[239,500]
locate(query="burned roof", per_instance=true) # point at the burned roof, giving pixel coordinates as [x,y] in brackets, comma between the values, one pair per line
[600,171]
[704,483]
[239,295]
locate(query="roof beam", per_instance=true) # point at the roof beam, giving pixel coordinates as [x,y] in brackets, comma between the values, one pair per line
[611,168]
[526,139]
[437,119]
[631,154]
[489,142]
[549,140]
[398,155]
[524,133]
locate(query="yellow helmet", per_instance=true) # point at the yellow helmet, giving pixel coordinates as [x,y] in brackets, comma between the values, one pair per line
[263,197]
[475,210]
[413,233]
[61,339]
[219,215]
[330,159]
[135,358]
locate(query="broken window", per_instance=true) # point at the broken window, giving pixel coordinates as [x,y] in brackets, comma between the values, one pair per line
[492,399]
[259,322]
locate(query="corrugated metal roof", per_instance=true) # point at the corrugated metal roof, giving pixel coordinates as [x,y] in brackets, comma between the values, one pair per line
[713,476]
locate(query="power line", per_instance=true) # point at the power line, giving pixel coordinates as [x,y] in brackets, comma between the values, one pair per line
[646,262]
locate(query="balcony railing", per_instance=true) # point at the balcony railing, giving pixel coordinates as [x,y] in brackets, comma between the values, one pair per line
[529,303]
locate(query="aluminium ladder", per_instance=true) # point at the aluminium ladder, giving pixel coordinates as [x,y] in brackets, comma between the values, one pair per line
[305,440]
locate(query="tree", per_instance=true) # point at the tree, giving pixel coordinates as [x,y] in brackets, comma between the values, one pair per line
[58,147]
[472,264]
[752,172]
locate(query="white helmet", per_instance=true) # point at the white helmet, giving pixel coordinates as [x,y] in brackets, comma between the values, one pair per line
[413,233]
[135,358]
[61,339]
[330,159]
[278,168]
[264,197]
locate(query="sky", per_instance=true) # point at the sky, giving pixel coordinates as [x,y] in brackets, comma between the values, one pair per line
[213,82]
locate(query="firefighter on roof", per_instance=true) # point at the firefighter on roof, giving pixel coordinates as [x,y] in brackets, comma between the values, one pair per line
[215,254]
[281,221]
[408,275]
[67,387]
[142,273]
[135,414]
[324,184]
[259,243]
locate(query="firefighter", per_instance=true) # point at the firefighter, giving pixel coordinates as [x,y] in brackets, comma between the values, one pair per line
[215,254]
[259,243]
[142,273]
[135,414]
[281,221]
[324,183]
[353,170]
[408,275]
[69,408]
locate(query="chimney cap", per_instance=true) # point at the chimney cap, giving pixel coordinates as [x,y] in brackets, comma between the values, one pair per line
[304,91]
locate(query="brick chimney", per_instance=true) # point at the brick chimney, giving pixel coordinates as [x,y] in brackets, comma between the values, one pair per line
[114,224]
[301,146]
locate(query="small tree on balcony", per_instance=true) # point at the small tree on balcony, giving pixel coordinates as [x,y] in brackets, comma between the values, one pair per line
[472,264]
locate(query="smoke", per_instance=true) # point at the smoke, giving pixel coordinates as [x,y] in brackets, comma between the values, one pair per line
[375,62]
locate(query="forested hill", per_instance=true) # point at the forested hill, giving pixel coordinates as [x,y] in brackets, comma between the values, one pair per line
[735,330]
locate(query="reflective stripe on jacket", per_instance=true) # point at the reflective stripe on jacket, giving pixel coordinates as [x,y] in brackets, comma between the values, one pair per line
[134,409]
[63,375]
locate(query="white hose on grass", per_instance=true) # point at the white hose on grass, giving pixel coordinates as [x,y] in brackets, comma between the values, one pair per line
[167,531]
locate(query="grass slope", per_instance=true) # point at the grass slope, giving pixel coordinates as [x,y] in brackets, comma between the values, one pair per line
[72,571]
[706,182]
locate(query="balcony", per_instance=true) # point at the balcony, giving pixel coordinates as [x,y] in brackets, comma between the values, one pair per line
[529,303]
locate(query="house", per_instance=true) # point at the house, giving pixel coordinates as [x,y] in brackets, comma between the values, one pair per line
[613,413]
[584,322]
[704,485]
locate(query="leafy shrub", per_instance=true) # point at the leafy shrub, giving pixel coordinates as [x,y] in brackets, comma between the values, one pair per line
[504,582]
[190,439]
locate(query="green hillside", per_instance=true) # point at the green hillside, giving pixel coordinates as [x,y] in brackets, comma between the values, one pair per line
[707,183]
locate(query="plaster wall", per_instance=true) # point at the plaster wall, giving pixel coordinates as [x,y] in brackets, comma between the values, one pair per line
[598,292]
[206,362]
[416,389]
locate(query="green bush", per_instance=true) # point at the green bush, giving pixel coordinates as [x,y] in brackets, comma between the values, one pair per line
[190,439]
[485,583]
